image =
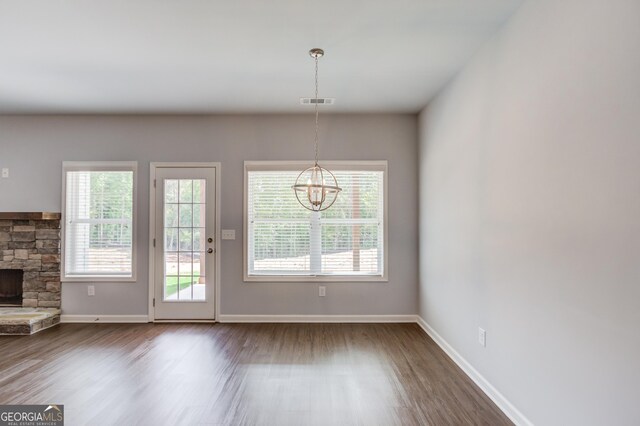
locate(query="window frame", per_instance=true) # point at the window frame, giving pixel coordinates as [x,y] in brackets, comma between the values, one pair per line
[374,165]
[96,166]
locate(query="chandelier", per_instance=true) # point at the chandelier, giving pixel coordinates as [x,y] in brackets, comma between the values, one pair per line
[316,188]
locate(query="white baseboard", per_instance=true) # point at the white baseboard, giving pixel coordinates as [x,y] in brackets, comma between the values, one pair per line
[503,403]
[318,318]
[250,318]
[103,318]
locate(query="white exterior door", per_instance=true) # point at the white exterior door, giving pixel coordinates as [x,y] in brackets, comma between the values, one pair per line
[185,243]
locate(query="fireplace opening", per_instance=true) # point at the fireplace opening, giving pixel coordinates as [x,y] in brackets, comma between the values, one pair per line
[11,287]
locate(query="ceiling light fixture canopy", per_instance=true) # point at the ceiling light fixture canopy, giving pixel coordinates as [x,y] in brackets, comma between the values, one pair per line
[316,188]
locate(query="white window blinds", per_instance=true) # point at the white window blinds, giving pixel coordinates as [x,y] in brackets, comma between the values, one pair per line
[283,238]
[99,214]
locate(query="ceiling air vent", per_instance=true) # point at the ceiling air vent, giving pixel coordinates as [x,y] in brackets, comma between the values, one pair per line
[319,101]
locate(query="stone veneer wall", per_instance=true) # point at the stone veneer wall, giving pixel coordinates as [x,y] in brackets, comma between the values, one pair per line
[34,247]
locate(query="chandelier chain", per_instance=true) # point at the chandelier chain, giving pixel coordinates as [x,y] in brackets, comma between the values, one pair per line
[316,103]
[316,188]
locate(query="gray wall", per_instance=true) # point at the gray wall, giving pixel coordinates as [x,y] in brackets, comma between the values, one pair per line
[530,212]
[34,147]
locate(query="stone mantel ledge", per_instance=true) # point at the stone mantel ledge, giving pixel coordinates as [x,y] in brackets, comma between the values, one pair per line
[30,216]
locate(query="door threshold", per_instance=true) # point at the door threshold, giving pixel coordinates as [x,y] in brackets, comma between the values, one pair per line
[205,321]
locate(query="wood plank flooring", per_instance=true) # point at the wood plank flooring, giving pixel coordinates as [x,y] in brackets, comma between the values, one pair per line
[242,374]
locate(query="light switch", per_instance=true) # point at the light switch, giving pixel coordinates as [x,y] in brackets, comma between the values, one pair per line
[228,234]
[5,172]
[482,337]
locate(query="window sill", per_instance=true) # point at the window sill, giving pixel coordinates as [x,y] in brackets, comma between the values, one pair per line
[90,279]
[311,279]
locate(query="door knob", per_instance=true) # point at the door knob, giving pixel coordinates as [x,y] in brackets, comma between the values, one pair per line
[210,250]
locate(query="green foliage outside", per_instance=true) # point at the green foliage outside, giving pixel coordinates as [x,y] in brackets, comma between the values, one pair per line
[171,286]
[111,198]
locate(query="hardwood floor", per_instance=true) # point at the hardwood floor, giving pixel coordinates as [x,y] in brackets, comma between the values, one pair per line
[245,374]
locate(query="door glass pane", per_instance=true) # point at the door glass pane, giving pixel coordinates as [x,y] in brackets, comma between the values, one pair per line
[186,213]
[186,236]
[184,240]
[170,215]
[171,191]
[198,215]
[186,190]
[170,239]
[198,191]
[198,239]
[171,263]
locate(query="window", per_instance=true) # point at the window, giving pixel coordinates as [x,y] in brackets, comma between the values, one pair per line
[286,242]
[99,221]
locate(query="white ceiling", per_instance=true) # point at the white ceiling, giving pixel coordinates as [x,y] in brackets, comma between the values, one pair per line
[170,56]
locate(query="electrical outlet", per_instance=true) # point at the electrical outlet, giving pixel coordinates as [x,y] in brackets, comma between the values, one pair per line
[482,337]
[91,290]
[5,172]
[322,291]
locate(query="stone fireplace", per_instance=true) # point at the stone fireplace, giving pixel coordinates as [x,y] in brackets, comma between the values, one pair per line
[30,250]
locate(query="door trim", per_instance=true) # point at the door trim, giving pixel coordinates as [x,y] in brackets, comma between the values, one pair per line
[153,166]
